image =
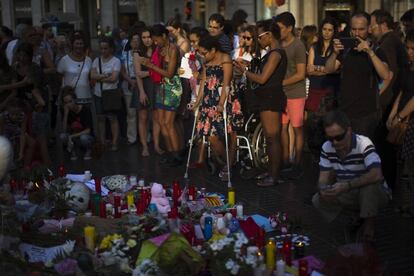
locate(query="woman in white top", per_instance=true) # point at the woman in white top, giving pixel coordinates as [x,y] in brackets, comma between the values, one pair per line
[75,68]
[109,78]
[130,84]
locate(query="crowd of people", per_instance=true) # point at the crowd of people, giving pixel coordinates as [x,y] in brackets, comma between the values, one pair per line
[349,86]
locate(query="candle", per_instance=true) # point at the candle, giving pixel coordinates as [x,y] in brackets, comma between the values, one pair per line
[87,175]
[299,250]
[61,170]
[89,232]
[130,201]
[287,253]
[117,206]
[239,210]
[303,268]
[98,185]
[176,192]
[96,204]
[280,268]
[231,196]
[191,193]
[109,210]
[133,180]
[208,228]
[270,254]
[140,207]
[102,209]
[141,182]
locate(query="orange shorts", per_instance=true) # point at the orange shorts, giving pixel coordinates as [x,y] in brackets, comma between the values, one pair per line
[294,112]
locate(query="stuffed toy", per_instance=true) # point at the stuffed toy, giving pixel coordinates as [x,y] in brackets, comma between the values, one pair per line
[159,199]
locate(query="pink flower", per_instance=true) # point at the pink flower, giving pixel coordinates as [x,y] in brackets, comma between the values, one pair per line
[212,81]
[236,108]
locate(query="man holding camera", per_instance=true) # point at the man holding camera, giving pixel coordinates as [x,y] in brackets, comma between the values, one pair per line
[350,175]
[361,69]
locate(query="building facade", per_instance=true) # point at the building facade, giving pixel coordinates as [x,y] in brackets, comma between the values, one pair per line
[96,16]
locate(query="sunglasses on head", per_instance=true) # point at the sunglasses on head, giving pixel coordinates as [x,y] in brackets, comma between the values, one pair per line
[248,38]
[337,138]
[261,35]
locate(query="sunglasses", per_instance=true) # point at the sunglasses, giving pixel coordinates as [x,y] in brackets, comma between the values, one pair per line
[248,38]
[337,138]
[262,34]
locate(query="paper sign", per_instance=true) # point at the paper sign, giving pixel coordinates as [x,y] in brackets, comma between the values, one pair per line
[188,73]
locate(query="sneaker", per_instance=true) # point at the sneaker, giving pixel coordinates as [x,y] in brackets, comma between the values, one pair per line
[87,155]
[73,156]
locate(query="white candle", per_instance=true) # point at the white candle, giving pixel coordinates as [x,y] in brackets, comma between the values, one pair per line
[280,268]
[239,210]
[133,180]
[141,182]
[87,175]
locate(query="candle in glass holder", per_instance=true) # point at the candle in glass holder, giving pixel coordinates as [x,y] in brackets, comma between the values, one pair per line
[191,193]
[133,180]
[231,195]
[130,201]
[96,204]
[261,238]
[98,188]
[117,206]
[280,268]
[303,268]
[287,251]
[270,254]
[102,209]
[299,250]
[109,210]
[89,232]
[61,170]
[140,207]
[239,209]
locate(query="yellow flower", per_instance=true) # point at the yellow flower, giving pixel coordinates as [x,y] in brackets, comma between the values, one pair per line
[131,243]
[107,241]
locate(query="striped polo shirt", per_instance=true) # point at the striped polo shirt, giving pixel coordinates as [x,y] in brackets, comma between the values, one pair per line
[358,161]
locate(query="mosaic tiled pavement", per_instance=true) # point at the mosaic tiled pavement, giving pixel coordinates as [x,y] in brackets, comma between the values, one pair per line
[395,235]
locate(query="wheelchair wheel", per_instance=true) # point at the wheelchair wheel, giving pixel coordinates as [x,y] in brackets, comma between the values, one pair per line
[260,157]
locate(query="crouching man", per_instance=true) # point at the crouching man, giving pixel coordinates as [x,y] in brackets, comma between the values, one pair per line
[350,175]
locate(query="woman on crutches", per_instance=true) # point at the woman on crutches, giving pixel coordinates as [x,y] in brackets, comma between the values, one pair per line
[268,97]
[215,83]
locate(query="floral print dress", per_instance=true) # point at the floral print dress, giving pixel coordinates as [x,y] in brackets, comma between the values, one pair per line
[211,122]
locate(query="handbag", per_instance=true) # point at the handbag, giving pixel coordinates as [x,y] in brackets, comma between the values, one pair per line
[397,133]
[72,88]
[111,98]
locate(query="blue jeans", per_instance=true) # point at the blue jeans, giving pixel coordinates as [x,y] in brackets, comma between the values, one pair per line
[84,141]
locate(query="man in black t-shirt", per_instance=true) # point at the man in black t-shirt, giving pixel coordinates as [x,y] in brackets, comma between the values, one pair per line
[77,126]
[215,28]
[361,69]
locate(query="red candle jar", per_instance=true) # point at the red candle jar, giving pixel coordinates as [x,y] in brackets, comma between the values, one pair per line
[145,198]
[303,268]
[61,171]
[174,213]
[287,252]
[98,188]
[191,193]
[102,209]
[140,207]
[117,206]
[261,238]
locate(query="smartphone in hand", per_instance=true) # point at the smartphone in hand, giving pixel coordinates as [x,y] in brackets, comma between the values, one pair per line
[349,42]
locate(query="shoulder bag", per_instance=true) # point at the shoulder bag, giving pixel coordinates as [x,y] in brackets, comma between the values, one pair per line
[397,133]
[111,98]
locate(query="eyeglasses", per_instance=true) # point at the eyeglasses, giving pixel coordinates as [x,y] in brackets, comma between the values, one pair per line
[337,138]
[248,38]
[262,34]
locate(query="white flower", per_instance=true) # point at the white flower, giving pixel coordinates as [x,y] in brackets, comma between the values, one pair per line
[235,269]
[230,264]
